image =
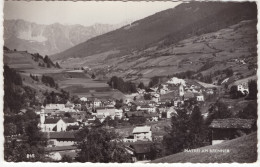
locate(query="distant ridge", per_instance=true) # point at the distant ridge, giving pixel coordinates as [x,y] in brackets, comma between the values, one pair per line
[49,39]
[169,26]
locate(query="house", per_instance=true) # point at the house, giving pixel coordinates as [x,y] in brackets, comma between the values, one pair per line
[139,151]
[188,95]
[22,111]
[140,91]
[155,97]
[162,91]
[177,102]
[119,113]
[152,103]
[243,88]
[57,139]
[83,99]
[129,139]
[106,111]
[210,91]
[170,111]
[69,105]
[154,117]
[127,100]
[146,108]
[109,103]
[230,128]
[97,103]
[176,81]
[77,106]
[55,106]
[56,153]
[143,133]
[199,97]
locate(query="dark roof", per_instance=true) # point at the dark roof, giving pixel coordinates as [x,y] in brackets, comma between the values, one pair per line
[188,95]
[59,135]
[141,148]
[69,120]
[60,148]
[103,108]
[170,95]
[135,113]
[51,120]
[235,123]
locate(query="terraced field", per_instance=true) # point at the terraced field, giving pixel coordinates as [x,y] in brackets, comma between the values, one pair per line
[237,41]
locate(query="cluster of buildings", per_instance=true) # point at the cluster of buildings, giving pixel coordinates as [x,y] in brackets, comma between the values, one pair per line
[59,122]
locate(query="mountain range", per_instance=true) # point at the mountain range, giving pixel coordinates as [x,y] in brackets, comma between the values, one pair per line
[49,39]
[161,29]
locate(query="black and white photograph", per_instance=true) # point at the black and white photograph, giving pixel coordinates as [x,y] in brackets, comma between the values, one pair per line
[143,82]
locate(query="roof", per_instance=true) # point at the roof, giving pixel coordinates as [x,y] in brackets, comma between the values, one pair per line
[69,120]
[135,113]
[207,85]
[142,129]
[146,106]
[100,116]
[110,111]
[60,148]
[104,108]
[51,120]
[169,95]
[97,100]
[245,80]
[59,135]
[141,148]
[188,95]
[235,123]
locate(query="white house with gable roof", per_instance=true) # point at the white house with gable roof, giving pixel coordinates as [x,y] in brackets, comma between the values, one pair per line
[142,133]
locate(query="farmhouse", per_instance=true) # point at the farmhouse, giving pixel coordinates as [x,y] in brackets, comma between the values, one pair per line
[230,128]
[143,133]
[140,151]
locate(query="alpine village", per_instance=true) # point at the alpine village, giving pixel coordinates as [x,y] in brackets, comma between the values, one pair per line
[156,90]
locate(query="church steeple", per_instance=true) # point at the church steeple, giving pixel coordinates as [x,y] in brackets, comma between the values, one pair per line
[42,115]
[181,90]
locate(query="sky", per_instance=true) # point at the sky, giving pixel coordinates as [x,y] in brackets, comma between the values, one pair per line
[84,13]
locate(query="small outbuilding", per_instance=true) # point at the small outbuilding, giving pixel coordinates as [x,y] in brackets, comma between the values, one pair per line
[230,128]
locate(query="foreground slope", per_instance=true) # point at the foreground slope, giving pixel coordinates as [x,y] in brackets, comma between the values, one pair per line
[242,150]
[171,26]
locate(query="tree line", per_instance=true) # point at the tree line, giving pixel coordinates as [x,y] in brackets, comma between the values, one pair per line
[189,130]
[119,84]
